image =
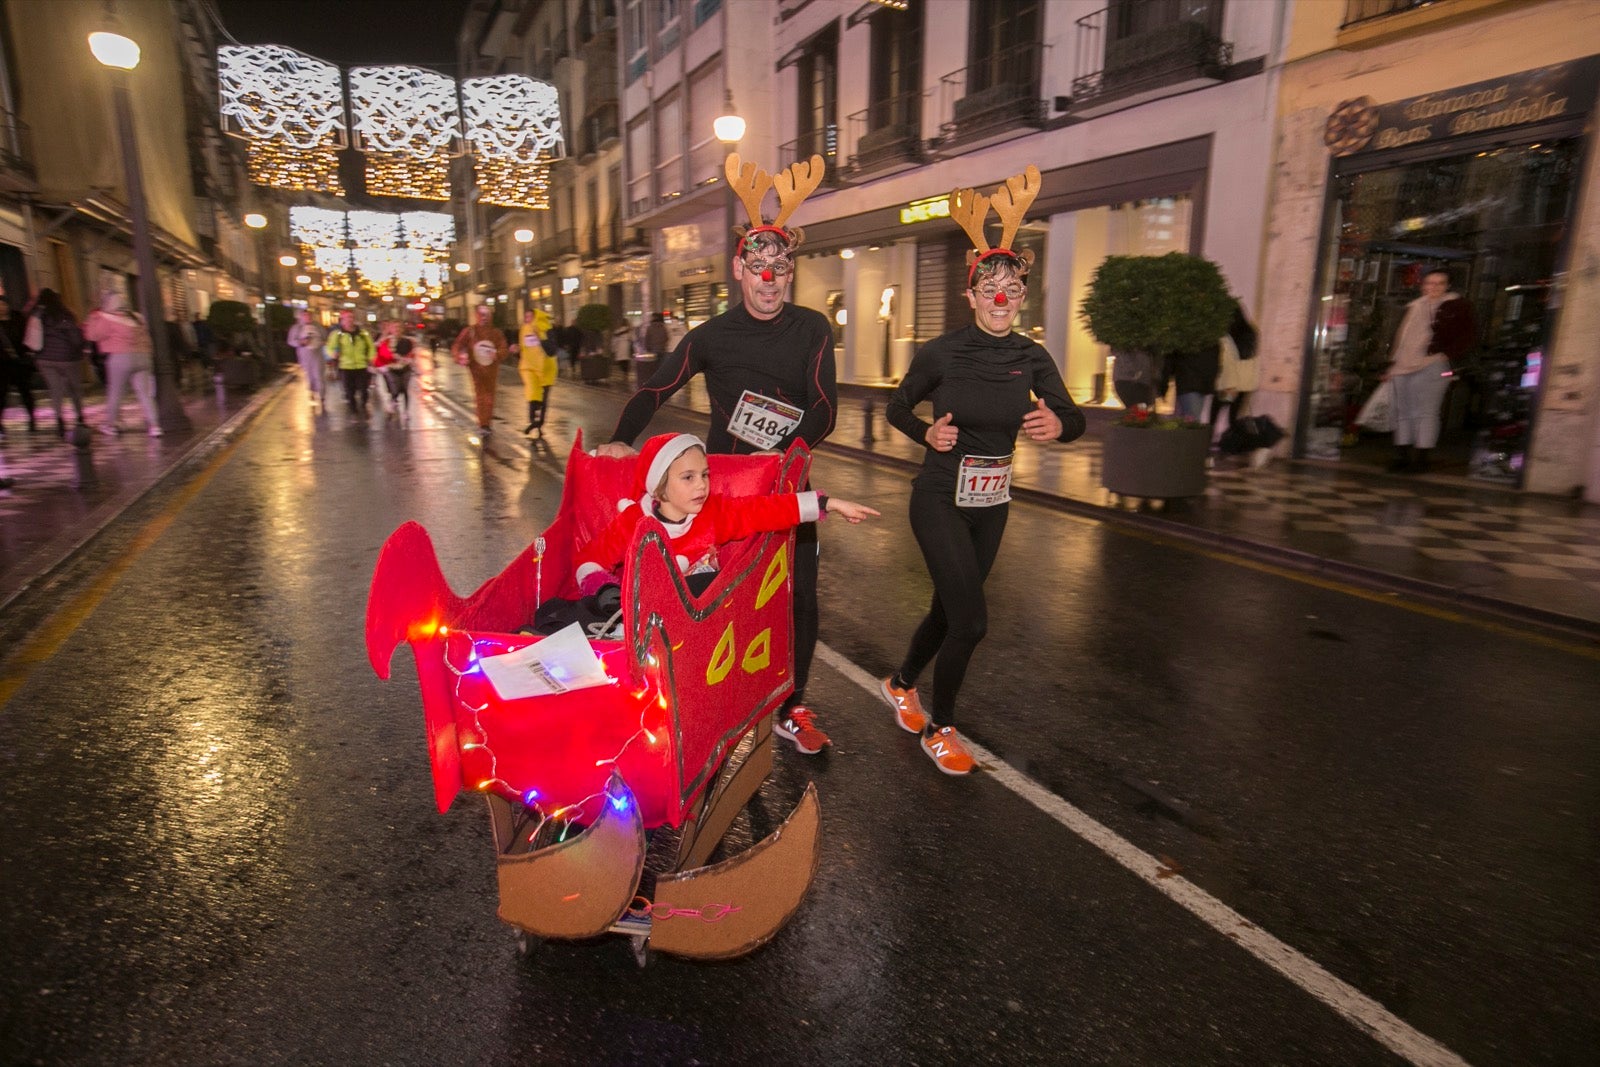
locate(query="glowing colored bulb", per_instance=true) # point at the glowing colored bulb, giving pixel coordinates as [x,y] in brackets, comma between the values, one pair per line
[530,796]
[650,736]
[620,803]
[485,784]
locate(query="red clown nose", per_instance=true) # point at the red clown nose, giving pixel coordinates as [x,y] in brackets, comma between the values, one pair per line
[999,300]
[766,275]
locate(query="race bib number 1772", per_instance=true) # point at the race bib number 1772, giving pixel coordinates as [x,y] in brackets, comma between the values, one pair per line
[984,481]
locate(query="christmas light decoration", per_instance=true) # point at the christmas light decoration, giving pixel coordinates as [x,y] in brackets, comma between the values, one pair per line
[316,226]
[408,123]
[513,125]
[290,107]
[383,253]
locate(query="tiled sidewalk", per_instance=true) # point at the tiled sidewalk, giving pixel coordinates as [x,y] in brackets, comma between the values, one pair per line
[1532,556]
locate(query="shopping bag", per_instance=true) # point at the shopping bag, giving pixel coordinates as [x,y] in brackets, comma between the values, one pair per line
[1377,414]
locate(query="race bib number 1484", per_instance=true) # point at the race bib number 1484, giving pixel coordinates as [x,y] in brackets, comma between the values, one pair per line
[762,421]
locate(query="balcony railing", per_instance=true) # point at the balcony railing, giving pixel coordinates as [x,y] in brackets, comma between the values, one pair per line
[823,142]
[599,128]
[1120,53]
[887,131]
[564,243]
[997,93]
[16,149]
[1358,11]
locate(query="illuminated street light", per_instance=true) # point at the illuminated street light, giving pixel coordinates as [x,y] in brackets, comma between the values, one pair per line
[121,54]
[114,50]
[728,126]
[315,288]
[255,220]
[287,260]
[303,279]
[523,235]
[352,294]
[462,268]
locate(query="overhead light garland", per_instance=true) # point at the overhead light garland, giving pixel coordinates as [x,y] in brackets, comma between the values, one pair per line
[513,125]
[290,107]
[379,252]
[408,123]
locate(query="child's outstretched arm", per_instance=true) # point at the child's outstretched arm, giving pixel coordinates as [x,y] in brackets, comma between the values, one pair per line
[850,511]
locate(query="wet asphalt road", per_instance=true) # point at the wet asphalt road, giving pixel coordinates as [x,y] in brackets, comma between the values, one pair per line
[219,844]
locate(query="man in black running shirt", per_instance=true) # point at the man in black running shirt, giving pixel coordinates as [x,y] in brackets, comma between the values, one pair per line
[784,355]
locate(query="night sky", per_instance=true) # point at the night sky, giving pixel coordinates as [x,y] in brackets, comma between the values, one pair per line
[353,32]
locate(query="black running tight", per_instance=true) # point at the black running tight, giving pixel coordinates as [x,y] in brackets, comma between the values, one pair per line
[959,545]
[805,607]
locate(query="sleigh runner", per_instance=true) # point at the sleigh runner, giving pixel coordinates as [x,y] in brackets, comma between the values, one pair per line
[688,680]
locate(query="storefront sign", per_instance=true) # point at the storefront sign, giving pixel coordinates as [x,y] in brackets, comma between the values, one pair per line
[1564,90]
[934,207]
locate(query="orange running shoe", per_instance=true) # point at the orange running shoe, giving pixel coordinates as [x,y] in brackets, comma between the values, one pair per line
[948,751]
[907,708]
[800,726]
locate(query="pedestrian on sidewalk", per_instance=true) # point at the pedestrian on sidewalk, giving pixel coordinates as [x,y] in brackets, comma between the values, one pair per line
[1238,373]
[306,338]
[16,369]
[125,339]
[986,384]
[782,355]
[656,347]
[352,348]
[393,366]
[56,341]
[1436,333]
[481,348]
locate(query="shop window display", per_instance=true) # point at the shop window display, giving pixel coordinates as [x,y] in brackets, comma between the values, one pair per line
[1495,220]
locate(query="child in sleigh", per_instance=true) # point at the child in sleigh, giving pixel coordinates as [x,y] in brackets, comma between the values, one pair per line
[672,484]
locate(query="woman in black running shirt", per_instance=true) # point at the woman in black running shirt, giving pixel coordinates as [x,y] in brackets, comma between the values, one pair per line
[985,384]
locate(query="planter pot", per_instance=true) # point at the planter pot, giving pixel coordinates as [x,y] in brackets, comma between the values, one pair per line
[1160,464]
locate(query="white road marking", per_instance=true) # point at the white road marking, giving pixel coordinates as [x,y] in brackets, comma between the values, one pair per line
[1356,1007]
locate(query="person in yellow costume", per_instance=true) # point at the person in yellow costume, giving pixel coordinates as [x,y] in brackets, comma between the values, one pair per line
[537,366]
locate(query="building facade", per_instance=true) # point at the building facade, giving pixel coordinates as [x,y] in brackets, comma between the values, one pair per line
[577,251]
[1151,122]
[64,216]
[1450,135]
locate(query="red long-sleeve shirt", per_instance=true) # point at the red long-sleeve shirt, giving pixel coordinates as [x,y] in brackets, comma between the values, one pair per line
[694,541]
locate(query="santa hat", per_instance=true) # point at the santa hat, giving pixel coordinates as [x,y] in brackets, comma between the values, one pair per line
[657,455]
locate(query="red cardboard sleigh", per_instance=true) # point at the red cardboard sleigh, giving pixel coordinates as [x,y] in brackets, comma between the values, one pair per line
[690,678]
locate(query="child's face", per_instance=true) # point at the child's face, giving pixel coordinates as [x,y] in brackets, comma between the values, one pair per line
[688,483]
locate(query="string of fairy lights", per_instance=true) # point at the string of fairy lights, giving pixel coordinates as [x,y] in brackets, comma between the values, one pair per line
[408,122]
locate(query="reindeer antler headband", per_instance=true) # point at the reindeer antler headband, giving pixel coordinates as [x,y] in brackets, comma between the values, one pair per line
[794,183]
[1010,202]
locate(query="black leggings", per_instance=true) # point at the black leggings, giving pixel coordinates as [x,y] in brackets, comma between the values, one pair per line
[959,545]
[806,547]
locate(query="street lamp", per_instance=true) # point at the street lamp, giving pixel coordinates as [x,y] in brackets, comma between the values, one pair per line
[729,128]
[121,54]
[256,220]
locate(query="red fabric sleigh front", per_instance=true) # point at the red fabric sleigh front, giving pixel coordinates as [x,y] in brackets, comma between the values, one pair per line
[690,676]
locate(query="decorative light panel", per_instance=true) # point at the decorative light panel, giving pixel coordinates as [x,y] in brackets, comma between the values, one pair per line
[408,123]
[313,226]
[290,107]
[513,125]
[434,231]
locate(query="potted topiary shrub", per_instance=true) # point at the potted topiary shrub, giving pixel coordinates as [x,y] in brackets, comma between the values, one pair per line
[234,329]
[1146,308]
[594,322]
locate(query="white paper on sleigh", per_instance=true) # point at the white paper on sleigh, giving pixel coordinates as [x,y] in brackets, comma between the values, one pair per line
[560,663]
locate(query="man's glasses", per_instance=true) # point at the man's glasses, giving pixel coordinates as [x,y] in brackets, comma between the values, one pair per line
[779,267]
[1013,292]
